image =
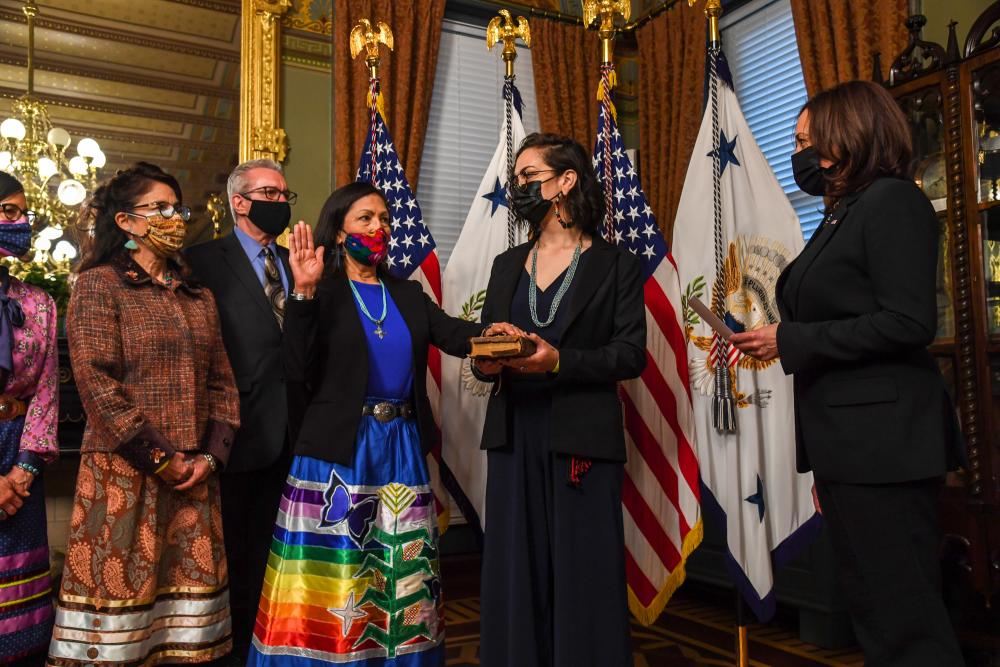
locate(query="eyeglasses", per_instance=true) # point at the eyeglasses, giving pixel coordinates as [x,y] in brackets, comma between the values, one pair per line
[271,194]
[13,213]
[527,175]
[164,209]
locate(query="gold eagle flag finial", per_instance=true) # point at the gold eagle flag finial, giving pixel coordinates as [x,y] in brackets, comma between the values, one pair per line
[503,29]
[713,10]
[366,36]
[605,10]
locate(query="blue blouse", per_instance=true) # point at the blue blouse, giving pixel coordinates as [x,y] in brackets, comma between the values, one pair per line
[390,358]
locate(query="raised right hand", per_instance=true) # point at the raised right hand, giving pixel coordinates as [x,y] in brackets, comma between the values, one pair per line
[178,470]
[305,259]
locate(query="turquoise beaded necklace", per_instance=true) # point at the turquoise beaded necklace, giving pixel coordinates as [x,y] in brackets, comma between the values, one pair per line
[560,293]
[379,331]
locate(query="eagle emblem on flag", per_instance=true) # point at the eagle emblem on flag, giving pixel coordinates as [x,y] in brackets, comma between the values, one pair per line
[750,271]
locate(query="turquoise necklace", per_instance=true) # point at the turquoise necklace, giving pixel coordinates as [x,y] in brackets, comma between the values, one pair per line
[560,293]
[379,331]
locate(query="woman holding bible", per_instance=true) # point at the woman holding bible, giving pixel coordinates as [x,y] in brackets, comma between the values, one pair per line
[553,582]
[353,577]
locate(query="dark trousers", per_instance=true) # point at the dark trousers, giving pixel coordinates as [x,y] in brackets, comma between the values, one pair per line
[886,541]
[553,579]
[249,506]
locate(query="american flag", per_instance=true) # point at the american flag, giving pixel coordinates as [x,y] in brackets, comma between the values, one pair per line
[412,254]
[660,497]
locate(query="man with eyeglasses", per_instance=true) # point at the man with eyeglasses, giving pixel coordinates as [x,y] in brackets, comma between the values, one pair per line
[249,275]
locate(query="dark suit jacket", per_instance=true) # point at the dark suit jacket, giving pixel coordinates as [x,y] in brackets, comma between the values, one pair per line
[326,353]
[253,342]
[604,341]
[858,309]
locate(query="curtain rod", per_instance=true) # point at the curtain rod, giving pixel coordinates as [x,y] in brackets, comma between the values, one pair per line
[576,20]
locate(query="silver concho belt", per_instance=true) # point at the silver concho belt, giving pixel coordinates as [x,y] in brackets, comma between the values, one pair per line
[386,411]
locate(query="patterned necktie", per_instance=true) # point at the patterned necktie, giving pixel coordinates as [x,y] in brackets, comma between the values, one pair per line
[273,289]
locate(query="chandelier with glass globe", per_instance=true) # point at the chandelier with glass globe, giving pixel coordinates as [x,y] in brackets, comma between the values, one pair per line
[36,153]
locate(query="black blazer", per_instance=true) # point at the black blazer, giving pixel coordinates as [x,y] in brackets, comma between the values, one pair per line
[252,338]
[325,351]
[858,309]
[604,342]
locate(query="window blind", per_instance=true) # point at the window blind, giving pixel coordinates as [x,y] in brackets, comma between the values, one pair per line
[464,127]
[759,41]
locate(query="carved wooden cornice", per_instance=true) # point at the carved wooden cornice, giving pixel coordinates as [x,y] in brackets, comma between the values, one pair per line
[980,36]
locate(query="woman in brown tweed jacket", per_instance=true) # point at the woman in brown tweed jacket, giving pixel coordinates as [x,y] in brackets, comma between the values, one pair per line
[146,577]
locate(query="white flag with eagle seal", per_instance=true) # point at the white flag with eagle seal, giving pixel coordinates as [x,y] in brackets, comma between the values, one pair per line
[731,241]
[489,230]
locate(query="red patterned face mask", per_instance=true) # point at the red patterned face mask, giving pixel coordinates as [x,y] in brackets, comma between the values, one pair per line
[368,248]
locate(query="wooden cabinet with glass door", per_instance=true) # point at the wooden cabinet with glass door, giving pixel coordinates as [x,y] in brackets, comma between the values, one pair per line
[979,83]
[951,98]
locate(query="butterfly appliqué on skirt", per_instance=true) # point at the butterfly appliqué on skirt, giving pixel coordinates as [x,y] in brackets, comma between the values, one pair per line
[340,507]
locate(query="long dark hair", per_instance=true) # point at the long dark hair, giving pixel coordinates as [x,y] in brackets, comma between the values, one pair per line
[858,126]
[9,185]
[585,202]
[117,195]
[331,222]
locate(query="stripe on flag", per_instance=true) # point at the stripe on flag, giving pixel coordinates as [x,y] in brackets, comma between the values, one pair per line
[660,496]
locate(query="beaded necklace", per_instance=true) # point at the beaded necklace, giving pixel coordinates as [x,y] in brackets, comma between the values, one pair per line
[379,331]
[533,286]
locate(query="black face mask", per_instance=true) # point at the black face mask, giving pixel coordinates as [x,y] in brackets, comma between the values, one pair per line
[809,175]
[528,203]
[270,217]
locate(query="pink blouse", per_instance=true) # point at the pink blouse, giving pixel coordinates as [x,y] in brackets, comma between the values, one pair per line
[36,370]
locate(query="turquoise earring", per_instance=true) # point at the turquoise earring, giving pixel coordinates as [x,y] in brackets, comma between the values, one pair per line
[131,244]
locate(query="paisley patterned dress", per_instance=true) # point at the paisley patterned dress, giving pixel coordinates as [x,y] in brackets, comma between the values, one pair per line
[146,577]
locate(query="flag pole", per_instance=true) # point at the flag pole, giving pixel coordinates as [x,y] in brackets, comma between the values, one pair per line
[724,416]
[503,29]
[604,11]
[367,37]
[723,401]
[742,633]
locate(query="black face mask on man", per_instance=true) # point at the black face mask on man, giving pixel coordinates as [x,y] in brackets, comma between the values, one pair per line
[809,175]
[528,203]
[270,217]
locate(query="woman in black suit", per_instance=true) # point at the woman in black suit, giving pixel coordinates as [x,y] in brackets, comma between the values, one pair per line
[873,420]
[353,574]
[553,583]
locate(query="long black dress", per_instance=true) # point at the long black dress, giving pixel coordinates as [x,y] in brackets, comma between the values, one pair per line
[553,589]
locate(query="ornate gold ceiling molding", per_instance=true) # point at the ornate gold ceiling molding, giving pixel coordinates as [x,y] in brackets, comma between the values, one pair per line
[307,62]
[121,37]
[119,109]
[116,77]
[301,18]
[210,147]
[308,50]
[230,7]
[261,134]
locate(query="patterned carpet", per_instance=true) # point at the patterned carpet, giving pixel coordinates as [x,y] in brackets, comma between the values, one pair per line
[693,631]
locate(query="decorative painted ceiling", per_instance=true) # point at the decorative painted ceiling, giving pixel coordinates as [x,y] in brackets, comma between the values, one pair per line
[154,80]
